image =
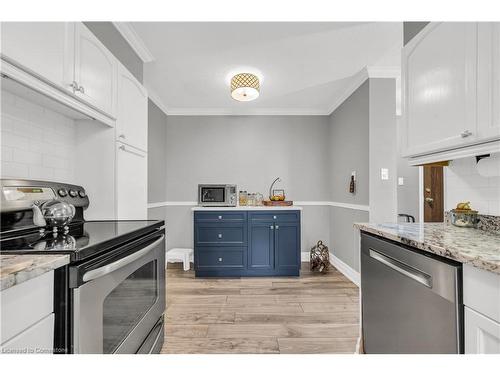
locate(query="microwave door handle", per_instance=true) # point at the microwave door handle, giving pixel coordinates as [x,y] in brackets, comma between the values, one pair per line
[104,270]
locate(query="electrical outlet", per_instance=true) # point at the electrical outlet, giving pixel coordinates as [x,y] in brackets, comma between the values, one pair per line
[384,173]
[401,181]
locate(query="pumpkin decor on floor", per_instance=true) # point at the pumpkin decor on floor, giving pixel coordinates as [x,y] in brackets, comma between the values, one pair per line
[320,257]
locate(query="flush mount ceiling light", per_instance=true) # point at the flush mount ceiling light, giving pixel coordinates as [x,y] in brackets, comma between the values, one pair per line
[245,87]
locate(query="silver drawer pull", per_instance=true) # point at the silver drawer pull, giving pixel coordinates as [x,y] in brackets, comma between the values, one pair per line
[123,148]
[220,217]
[271,227]
[402,268]
[277,227]
[274,217]
[466,133]
[220,259]
[219,235]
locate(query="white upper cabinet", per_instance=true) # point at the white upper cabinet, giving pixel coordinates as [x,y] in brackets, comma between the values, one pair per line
[131,183]
[95,71]
[440,88]
[132,111]
[44,48]
[488,76]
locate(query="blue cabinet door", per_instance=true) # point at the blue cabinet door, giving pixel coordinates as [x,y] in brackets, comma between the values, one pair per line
[287,245]
[261,246]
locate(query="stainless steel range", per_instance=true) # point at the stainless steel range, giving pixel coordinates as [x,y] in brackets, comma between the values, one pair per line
[111,297]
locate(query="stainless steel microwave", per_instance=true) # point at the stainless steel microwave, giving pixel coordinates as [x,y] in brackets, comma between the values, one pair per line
[216,195]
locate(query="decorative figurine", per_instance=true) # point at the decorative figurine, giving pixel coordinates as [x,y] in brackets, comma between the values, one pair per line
[320,257]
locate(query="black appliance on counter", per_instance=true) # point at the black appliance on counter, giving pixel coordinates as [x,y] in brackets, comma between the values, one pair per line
[110,298]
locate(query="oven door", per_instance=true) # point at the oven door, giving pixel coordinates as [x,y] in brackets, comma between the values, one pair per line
[120,299]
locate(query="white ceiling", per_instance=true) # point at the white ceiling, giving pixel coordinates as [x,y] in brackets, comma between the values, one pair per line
[305,67]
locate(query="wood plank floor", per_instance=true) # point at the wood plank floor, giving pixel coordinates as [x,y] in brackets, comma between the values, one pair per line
[313,313]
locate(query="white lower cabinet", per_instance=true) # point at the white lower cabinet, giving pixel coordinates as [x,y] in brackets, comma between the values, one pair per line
[37,339]
[482,310]
[131,183]
[27,318]
[482,334]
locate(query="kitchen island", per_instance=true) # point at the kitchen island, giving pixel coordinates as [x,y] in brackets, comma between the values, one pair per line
[247,241]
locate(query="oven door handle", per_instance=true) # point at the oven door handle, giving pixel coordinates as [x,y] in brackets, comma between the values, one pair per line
[104,270]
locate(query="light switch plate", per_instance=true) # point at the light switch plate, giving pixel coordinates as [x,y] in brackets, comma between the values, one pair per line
[384,173]
[401,181]
[353,174]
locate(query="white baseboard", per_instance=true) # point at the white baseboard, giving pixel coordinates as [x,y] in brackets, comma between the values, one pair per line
[347,270]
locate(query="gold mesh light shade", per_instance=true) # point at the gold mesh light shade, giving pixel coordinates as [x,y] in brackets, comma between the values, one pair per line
[245,87]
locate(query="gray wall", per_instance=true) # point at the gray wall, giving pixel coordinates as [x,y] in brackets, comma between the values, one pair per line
[383,150]
[348,146]
[349,151]
[107,33]
[410,29]
[409,192]
[249,151]
[157,154]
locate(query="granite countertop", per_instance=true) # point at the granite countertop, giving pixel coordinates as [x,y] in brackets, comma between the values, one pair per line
[248,208]
[466,245]
[15,269]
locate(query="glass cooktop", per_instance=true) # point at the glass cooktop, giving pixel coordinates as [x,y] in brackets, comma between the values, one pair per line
[84,239]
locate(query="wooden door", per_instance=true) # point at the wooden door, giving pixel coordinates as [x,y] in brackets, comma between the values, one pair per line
[132,103]
[433,194]
[95,71]
[439,68]
[44,48]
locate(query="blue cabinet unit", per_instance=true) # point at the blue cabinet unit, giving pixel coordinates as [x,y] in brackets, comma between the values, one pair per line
[247,243]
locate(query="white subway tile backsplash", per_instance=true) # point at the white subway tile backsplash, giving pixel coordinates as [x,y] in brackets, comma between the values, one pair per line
[37,143]
[463,183]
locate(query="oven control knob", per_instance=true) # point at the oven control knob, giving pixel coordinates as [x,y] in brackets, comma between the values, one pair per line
[73,193]
[62,192]
[82,194]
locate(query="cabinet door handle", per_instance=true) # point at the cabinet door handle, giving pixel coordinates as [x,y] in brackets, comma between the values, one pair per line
[274,217]
[81,89]
[74,86]
[220,259]
[123,148]
[271,227]
[122,136]
[219,235]
[277,227]
[466,133]
[220,217]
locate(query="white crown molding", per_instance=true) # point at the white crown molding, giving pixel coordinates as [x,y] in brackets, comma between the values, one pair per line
[383,71]
[246,112]
[134,40]
[156,99]
[357,80]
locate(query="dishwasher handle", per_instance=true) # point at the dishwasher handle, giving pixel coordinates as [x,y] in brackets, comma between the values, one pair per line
[402,268]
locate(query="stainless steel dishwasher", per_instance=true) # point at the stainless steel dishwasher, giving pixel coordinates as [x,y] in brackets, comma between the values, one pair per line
[411,301]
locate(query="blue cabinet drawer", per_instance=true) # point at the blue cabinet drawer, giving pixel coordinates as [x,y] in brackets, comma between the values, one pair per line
[220,234]
[287,216]
[212,258]
[220,216]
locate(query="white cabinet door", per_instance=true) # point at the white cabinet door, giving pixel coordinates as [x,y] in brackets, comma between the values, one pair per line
[482,335]
[95,71]
[44,48]
[131,183]
[132,111]
[439,67]
[37,339]
[488,80]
